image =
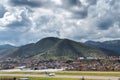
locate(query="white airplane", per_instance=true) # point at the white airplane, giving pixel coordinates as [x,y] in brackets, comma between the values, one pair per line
[24,78]
[50,74]
[21,67]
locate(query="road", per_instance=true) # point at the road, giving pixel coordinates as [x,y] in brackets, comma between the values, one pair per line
[63,76]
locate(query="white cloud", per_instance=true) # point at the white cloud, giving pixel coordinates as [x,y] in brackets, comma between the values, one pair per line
[57,2]
[78,20]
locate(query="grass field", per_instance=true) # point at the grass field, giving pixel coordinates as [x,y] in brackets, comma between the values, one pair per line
[89,73]
[81,73]
[36,78]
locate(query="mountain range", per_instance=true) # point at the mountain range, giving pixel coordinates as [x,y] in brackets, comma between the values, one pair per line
[56,48]
[113,45]
[6,50]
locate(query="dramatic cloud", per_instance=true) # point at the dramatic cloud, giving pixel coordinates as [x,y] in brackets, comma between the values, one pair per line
[76,8]
[31,3]
[26,21]
[2,11]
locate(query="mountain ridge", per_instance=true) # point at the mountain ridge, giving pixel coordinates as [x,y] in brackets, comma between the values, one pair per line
[56,48]
[113,45]
[6,49]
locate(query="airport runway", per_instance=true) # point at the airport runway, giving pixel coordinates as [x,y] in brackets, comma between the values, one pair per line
[63,76]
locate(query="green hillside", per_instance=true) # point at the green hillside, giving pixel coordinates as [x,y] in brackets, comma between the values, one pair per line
[56,48]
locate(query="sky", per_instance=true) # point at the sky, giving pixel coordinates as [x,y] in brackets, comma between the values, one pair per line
[27,21]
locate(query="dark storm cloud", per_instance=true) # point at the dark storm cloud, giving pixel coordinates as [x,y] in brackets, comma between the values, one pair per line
[2,11]
[111,15]
[111,2]
[30,3]
[24,22]
[76,8]
[71,3]
[80,14]
[105,24]
[92,2]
